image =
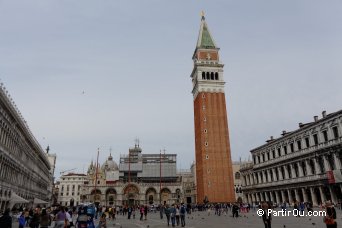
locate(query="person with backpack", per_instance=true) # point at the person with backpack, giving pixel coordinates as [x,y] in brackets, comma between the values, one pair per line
[167,214]
[182,212]
[45,219]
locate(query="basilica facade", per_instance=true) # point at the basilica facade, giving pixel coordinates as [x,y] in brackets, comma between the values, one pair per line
[138,179]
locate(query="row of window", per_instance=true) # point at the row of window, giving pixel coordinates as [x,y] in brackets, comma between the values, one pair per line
[210,76]
[308,141]
[73,188]
[288,172]
[67,194]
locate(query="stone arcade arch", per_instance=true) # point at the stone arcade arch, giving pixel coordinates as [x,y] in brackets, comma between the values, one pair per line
[151,196]
[111,197]
[166,195]
[131,195]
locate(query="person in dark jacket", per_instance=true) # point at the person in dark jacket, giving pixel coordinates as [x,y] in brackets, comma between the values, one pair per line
[35,219]
[6,219]
[266,217]
[330,217]
[45,219]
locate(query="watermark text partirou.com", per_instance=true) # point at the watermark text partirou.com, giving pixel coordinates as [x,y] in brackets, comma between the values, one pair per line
[294,212]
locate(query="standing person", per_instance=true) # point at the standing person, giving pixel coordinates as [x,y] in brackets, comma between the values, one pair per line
[330,217]
[21,220]
[103,222]
[177,215]
[68,215]
[141,212]
[173,215]
[235,210]
[60,218]
[167,214]
[45,219]
[182,214]
[161,211]
[35,220]
[129,212]
[145,212]
[6,219]
[266,217]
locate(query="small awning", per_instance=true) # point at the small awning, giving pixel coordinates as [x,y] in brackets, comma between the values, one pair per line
[39,201]
[17,199]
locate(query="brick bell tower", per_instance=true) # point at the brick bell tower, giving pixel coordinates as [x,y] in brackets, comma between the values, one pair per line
[214,172]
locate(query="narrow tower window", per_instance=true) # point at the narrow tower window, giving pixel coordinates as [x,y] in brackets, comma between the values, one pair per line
[216,76]
[203,75]
[212,75]
[208,76]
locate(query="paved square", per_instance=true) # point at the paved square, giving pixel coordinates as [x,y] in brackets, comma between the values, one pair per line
[203,220]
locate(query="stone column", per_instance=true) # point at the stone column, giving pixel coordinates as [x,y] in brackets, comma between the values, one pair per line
[293,172]
[305,195]
[260,178]
[258,196]
[326,163]
[308,167]
[333,195]
[280,174]
[286,173]
[323,198]
[267,197]
[272,197]
[290,196]
[263,176]
[273,173]
[268,172]
[297,195]
[277,197]
[337,161]
[313,197]
[317,167]
[300,170]
[282,195]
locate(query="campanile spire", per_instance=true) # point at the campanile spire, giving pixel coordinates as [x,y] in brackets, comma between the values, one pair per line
[214,173]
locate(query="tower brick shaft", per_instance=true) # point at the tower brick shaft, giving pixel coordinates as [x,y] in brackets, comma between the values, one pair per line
[214,173]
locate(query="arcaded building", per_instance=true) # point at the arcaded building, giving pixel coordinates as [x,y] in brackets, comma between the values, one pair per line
[25,175]
[214,173]
[302,165]
[138,179]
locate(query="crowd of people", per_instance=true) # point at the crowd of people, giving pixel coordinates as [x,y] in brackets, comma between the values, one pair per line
[90,216]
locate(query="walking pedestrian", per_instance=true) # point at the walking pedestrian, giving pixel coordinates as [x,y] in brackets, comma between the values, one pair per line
[167,214]
[266,217]
[330,217]
[182,214]
[173,215]
[141,212]
[177,215]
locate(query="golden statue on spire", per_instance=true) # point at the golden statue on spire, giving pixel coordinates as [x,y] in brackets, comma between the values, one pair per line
[202,15]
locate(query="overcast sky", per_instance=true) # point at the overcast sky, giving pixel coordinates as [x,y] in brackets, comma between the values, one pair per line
[89,74]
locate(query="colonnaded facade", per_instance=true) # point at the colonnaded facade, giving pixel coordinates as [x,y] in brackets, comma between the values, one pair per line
[25,175]
[138,179]
[302,165]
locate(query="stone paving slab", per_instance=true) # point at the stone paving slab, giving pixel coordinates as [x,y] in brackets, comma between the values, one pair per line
[203,220]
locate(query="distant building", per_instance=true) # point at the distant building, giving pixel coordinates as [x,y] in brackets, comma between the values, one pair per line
[25,177]
[138,179]
[237,180]
[302,165]
[188,179]
[69,189]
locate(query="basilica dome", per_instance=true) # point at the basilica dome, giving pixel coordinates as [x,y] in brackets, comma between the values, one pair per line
[109,164]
